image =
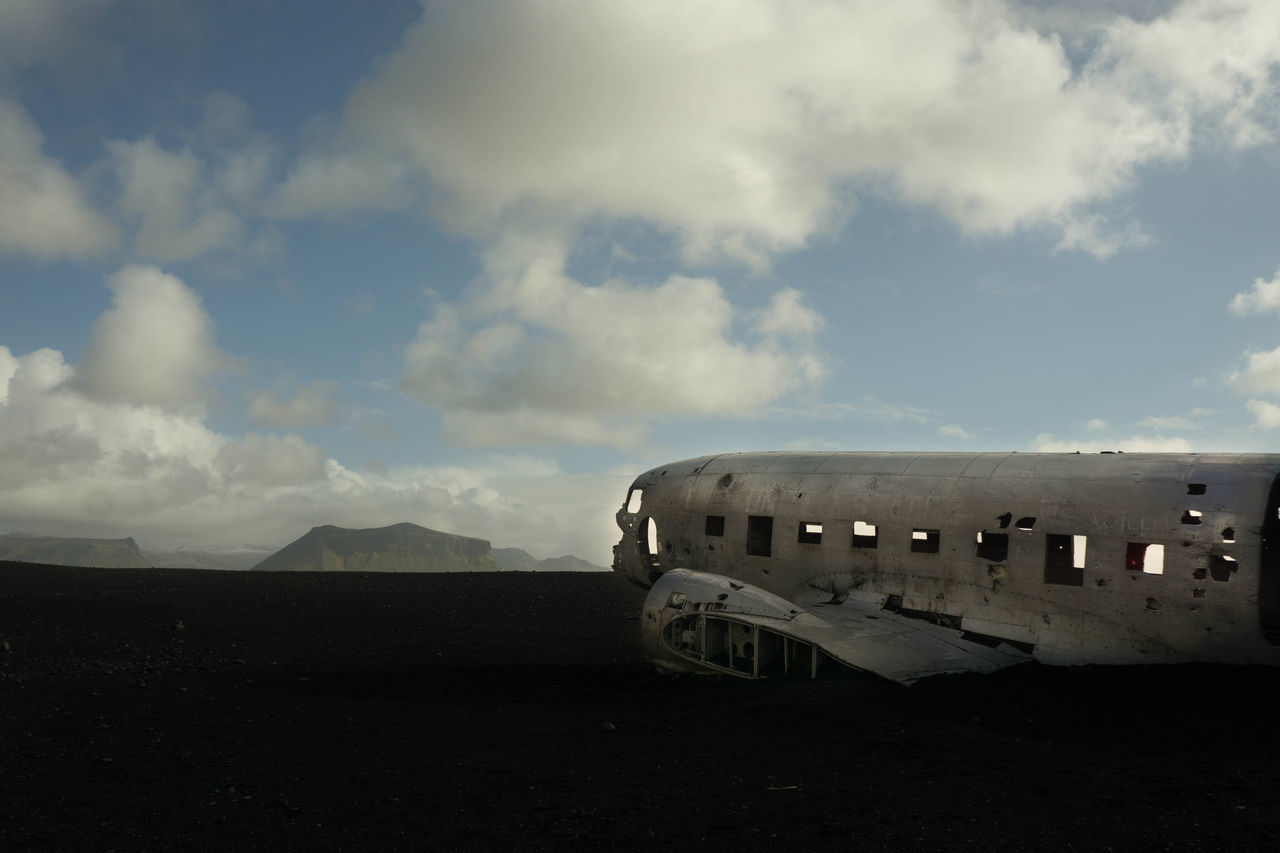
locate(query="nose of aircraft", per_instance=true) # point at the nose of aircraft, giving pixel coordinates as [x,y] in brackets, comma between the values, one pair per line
[631,557]
[633,565]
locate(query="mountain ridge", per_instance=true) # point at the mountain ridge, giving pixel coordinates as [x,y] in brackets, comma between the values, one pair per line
[402,547]
[62,551]
[520,560]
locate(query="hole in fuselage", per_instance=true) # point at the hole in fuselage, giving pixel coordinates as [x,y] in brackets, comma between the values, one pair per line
[648,535]
[760,535]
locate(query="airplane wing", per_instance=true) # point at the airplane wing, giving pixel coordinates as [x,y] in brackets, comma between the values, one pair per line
[702,622]
[897,647]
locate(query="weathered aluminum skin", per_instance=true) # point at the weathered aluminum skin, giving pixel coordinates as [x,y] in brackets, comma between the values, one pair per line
[706,622]
[1209,512]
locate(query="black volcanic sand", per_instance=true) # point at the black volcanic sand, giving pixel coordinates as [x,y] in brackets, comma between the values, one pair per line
[361,711]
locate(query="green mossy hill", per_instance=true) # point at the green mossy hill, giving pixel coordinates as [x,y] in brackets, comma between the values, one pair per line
[398,548]
[54,551]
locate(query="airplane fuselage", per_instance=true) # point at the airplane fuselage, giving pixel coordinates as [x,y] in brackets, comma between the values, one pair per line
[1075,558]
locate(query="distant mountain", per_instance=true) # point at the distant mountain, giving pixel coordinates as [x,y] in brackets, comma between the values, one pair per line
[518,560]
[227,561]
[54,551]
[398,548]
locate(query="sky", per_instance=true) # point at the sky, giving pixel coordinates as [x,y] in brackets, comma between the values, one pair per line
[271,265]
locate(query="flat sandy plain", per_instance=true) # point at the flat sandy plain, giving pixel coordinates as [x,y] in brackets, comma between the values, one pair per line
[170,709]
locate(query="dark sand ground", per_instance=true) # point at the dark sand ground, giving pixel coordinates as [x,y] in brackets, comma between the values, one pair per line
[466,711]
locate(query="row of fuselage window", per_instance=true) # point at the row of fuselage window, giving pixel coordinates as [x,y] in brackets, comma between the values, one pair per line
[1064,553]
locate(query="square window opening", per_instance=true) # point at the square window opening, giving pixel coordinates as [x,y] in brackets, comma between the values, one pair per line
[1144,557]
[810,533]
[925,541]
[715,525]
[1195,488]
[1061,566]
[1026,522]
[864,535]
[993,546]
[1192,516]
[760,535]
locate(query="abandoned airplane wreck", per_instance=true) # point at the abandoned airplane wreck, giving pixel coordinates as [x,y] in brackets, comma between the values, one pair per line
[915,564]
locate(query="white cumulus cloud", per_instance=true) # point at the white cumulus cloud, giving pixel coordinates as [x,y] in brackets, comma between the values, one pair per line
[342,184]
[464,428]
[1266,415]
[1263,297]
[71,465]
[154,345]
[63,454]
[170,197]
[1207,66]
[44,211]
[8,368]
[787,315]
[741,130]
[271,460]
[119,446]
[534,353]
[1261,374]
[313,405]
[955,431]
[744,128]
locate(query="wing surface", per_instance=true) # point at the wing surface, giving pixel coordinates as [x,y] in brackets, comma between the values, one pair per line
[700,622]
[901,648]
